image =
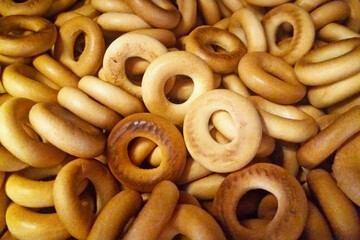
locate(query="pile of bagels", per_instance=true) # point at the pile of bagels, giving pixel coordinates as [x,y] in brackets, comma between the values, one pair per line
[180,119]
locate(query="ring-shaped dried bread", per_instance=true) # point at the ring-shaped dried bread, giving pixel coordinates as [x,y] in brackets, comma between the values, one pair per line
[159,130]
[156,213]
[4,203]
[346,168]
[345,105]
[19,139]
[290,218]
[32,7]
[88,109]
[209,10]
[267,3]
[25,191]
[285,156]
[284,122]
[159,13]
[165,36]
[270,77]
[58,6]
[188,12]
[26,223]
[303,31]
[192,171]
[127,46]
[111,96]
[339,211]
[115,215]
[204,149]
[193,222]
[316,225]
[10,163]
[90,59]
[247,26]
[353,21]
[41,38]
[330,63]
[310,5]
[111,6]
[24,81]
[67,131]
[206,187]
[327,95]
[313,152]
[6,60]
[121,22]
[201,40]
[55,71]
[224,128]
[85,8]
[78,219]
[332,11]
[234,83]
[169,65]
[333,32]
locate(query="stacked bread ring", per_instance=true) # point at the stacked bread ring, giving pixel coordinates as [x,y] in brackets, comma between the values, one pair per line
[179,119]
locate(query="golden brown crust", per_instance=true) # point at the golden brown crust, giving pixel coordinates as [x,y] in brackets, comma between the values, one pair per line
[159,130]
[290,219]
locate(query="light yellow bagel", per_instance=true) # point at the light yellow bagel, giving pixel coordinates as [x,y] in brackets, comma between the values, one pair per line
[86,108]
[168,65]
[56,124]
[303,33]
[21,140]
[211,154]
[284,122]
[25,223]
[127,46]
[77,218]
[42,38]
[89,61]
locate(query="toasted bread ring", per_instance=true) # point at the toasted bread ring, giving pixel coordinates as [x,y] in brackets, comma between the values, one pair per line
[338,210]
[159,130]
[56,124]
[200,38]
[290,218]
[76,218]
[303,36]
[270,77]
[24,223]
[89,62]
[42,38]
[32,7]
[19,140]
[346,125]
[160,13]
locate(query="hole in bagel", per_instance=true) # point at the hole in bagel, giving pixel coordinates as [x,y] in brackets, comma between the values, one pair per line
[79,46]
[284,34]
[135,68]
[19,1]
[221,127]
[180,237]
[144,153]
[256,208]
[214,47]
[179,88]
